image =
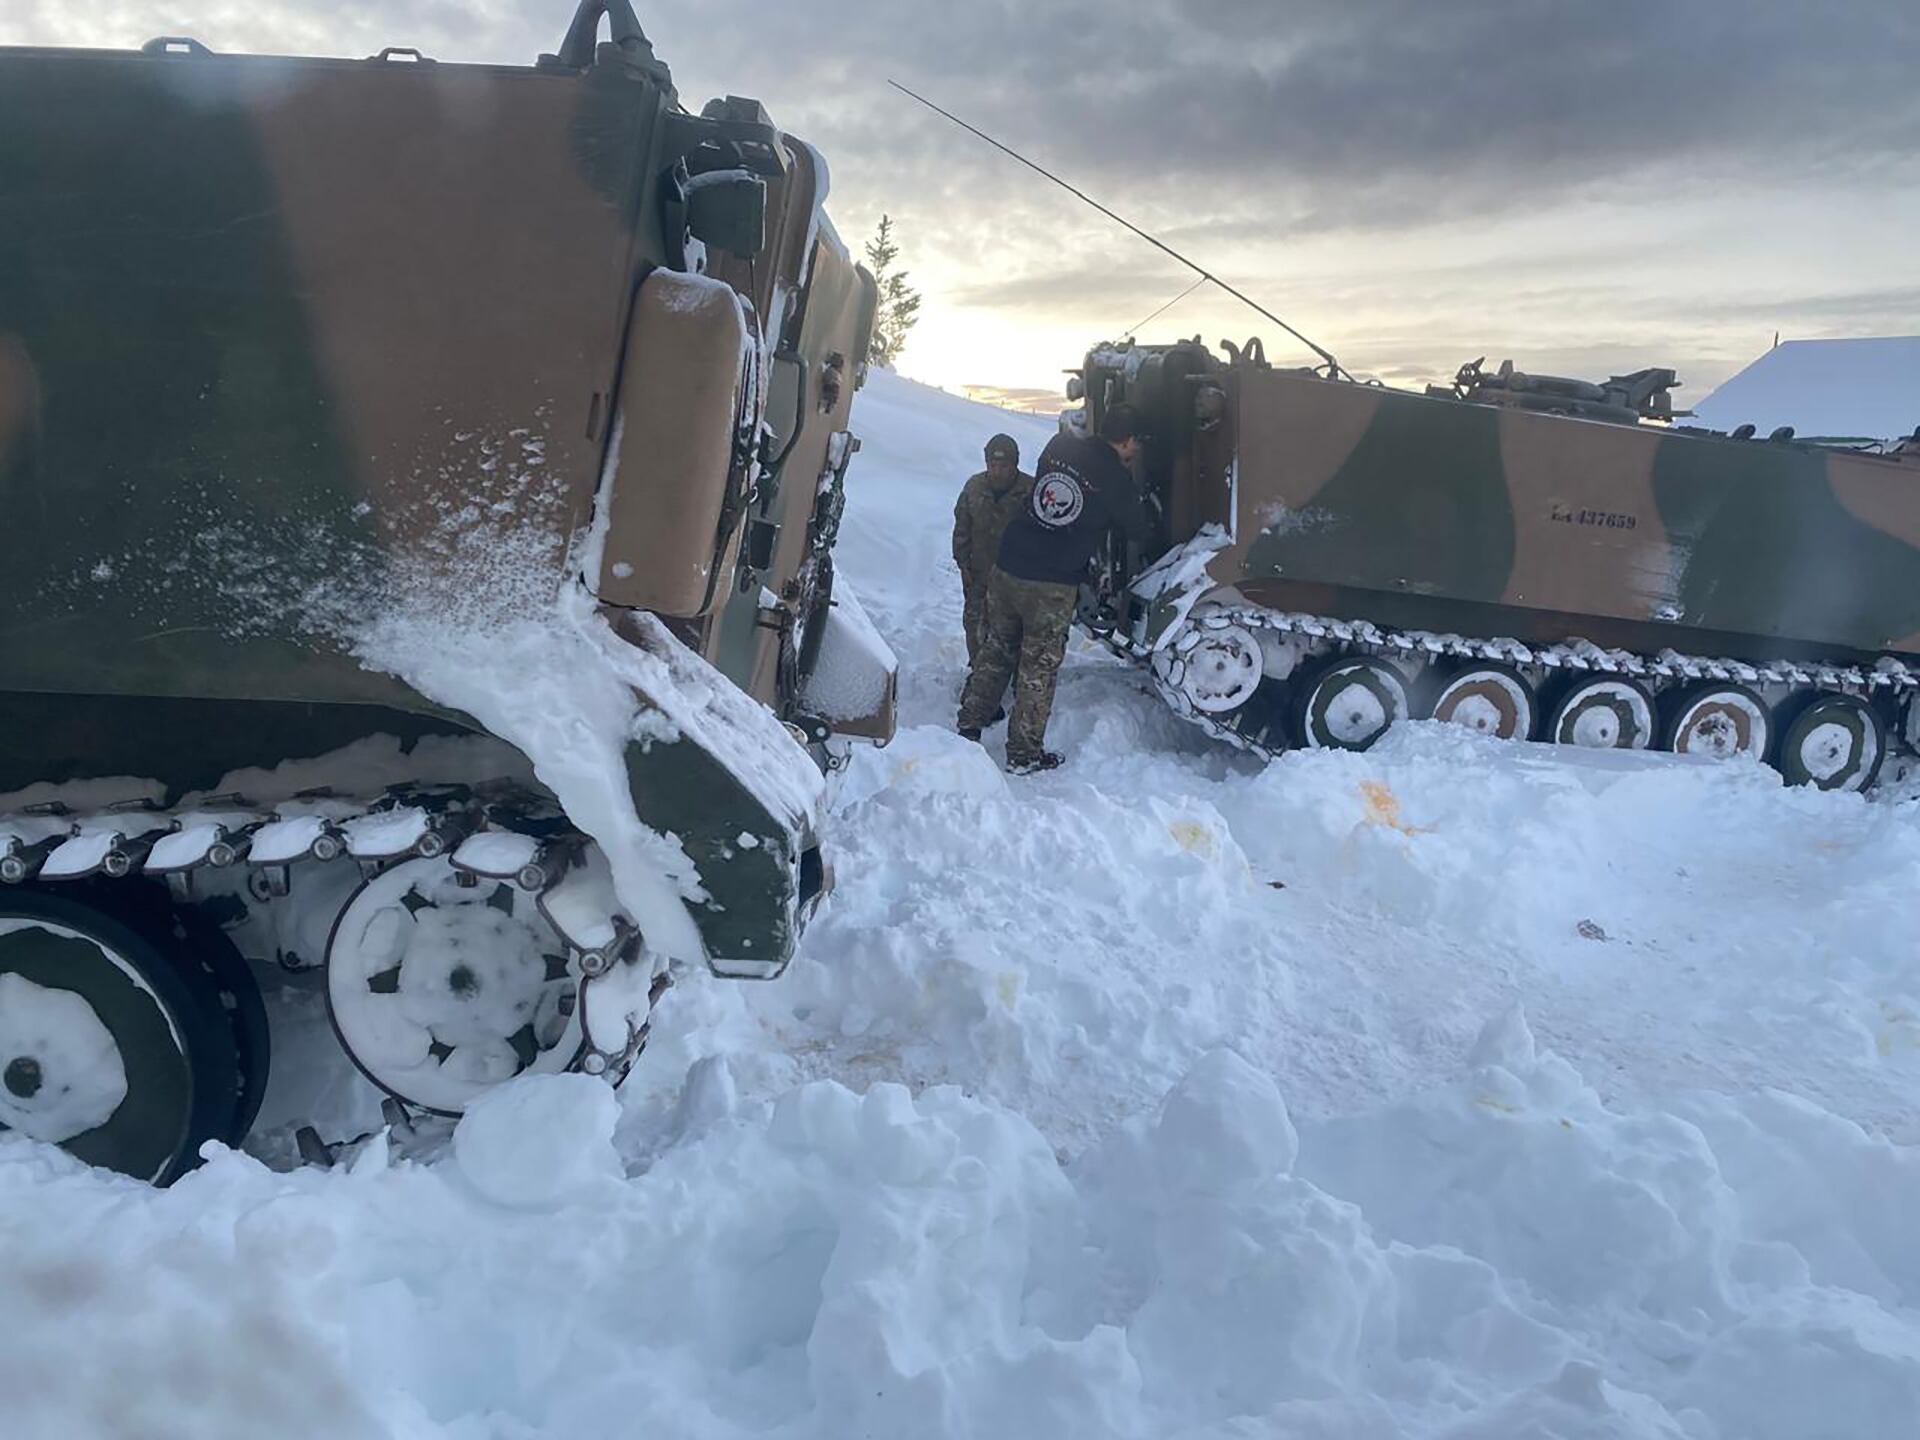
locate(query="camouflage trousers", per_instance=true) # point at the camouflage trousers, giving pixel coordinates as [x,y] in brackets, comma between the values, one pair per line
[1027,623]
[973,615]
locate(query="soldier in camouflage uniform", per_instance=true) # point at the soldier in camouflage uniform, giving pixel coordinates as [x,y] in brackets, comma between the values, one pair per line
[1027,625]
[987,502]
[1083,489]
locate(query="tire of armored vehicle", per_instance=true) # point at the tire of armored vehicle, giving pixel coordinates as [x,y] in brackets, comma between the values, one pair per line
[297,354]
[1530,557]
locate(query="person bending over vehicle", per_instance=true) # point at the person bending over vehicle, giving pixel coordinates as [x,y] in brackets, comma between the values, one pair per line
[1083,487]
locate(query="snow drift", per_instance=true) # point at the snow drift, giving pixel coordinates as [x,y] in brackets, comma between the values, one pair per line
[1454,1089]
[1502,1255]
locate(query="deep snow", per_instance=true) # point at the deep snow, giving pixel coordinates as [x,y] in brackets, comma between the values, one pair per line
[1453,1089]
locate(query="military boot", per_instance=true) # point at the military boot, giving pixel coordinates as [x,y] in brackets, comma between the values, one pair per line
[1032,764]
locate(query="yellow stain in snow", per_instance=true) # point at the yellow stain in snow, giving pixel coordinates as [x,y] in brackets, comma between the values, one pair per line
[1500,1105]
[1901,1031]
[1192,835]
[1383,807]
[1007,985]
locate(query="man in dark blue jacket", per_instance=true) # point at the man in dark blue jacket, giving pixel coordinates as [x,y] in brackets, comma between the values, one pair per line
[1083,487]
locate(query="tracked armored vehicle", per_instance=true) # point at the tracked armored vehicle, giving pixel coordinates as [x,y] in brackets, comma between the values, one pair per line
[421,482]
[1533,557]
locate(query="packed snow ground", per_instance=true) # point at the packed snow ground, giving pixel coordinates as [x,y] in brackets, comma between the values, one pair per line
[1450,1090]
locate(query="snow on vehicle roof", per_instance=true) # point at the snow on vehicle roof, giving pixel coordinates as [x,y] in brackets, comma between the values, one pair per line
[1860,389]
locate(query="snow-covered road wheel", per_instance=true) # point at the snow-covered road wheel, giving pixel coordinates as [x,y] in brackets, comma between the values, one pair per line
[107,1048]
[440,990]
[1489,698]
[1222,670]
[1603,712]
[1719,720]
[1834,742]
[1348,704]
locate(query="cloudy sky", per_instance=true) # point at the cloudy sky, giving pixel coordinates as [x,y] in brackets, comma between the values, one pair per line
[1584,188]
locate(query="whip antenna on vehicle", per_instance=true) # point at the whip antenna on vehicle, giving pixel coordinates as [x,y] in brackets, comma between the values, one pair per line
[1134,329]
[1334,367]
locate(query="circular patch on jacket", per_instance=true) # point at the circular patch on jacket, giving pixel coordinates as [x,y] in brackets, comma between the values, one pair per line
[1057,500]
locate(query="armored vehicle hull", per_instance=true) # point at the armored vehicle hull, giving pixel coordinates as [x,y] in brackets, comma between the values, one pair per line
[1332,557]
[327,388]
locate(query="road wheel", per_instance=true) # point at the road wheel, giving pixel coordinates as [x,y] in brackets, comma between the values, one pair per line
[1222,670]
[1348,703]
[440,990]
[1833,742]
[108,1048]
[1718,720]
[1603,712]
[1492,699]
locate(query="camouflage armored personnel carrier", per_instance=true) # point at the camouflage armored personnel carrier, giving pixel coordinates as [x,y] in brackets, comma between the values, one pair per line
[1533,557]
[421,484]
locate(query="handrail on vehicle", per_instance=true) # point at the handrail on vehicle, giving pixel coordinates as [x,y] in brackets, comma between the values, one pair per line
[576,51]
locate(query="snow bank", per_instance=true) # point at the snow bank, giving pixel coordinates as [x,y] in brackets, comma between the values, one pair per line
[1454,1089]
[1503,1255]
[537,1144]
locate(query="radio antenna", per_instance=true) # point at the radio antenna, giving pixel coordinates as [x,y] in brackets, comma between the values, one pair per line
[1334,368]
[1133,330]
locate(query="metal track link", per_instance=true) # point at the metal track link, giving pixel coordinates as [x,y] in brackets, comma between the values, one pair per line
[53,843]
[1889,675]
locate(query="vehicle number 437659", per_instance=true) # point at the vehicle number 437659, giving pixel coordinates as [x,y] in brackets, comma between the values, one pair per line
[1606,519]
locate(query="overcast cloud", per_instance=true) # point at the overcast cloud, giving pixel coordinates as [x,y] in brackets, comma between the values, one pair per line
[1579,186]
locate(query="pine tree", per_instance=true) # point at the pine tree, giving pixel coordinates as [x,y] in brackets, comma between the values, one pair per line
[899,302]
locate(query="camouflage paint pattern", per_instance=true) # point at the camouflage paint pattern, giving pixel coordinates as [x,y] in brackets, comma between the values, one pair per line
[1027,625]
[278,334]
[1362,502]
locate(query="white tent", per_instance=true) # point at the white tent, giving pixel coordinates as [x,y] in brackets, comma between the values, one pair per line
[1868,389]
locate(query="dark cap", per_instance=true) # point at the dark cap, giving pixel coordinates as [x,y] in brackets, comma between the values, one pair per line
[1118,426]
[1003,447]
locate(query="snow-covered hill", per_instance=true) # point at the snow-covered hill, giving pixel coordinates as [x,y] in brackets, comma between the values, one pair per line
[1450,1090]
[1864,389]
